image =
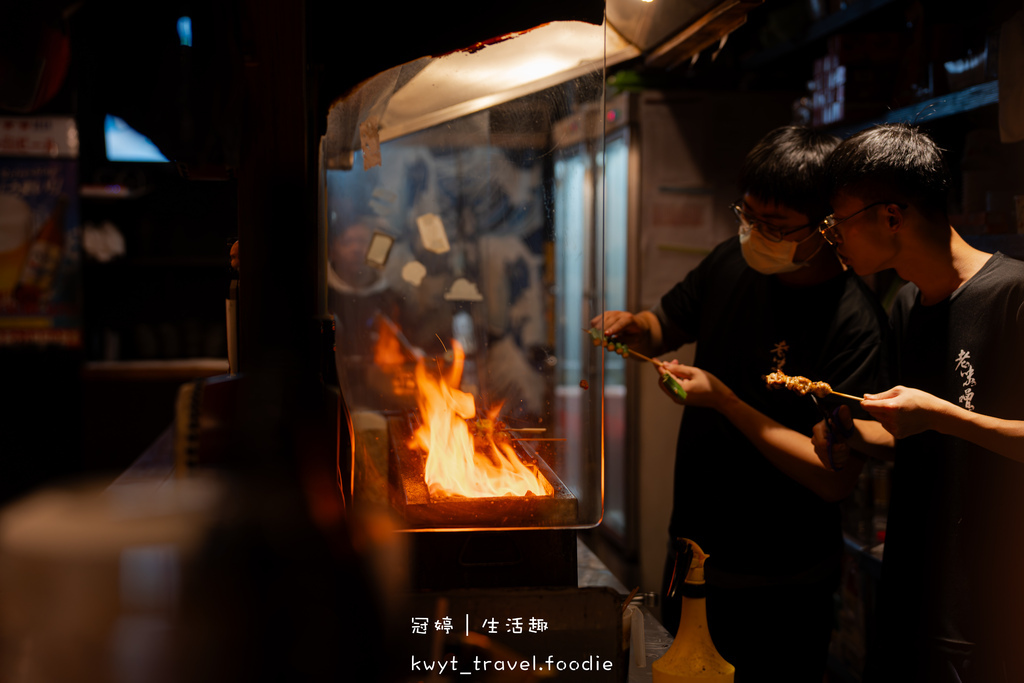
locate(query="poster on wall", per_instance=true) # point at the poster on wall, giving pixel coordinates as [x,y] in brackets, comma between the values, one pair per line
[40,293]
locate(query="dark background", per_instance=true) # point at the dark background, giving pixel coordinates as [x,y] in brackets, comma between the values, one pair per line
[240,114]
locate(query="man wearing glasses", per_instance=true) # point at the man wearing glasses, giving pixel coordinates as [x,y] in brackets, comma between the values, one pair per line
[952,604]
[749,488]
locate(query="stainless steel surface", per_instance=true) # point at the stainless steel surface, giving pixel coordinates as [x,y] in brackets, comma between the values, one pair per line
[593,572]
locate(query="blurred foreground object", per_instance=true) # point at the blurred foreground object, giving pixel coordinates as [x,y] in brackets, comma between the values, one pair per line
[90,579]
[198,579]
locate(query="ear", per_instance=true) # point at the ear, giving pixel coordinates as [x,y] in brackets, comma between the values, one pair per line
[895,217]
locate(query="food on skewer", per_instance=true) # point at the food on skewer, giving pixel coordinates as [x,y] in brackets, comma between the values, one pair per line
[802,385]
[673,385]
[667,379]
[613,346]
[599,339]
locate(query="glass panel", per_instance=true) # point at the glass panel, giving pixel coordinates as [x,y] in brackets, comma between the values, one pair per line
[461,275]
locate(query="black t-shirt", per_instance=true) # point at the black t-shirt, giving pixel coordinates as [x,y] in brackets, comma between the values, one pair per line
[953,564]
[355,312]
[749,516]
[356,334]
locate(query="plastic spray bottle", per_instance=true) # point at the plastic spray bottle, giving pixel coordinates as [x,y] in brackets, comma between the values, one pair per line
[692,657]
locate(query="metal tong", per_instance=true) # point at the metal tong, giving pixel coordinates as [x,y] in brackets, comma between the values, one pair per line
[834,427]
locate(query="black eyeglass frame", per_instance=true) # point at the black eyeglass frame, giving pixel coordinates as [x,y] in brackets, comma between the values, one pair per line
[771,232]
[829,226]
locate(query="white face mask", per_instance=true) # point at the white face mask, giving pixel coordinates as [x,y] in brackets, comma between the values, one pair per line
[771,258]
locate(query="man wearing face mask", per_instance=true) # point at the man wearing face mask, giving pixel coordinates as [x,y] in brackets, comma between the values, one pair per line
[749,488]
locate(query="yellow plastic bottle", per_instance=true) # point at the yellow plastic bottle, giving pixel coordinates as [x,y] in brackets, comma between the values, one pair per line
[692,657]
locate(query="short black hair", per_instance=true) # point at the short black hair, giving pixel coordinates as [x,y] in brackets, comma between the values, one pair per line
[787,167]
[892,162]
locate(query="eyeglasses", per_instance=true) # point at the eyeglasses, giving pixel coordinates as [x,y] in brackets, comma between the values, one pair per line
[772,232]
[829,227]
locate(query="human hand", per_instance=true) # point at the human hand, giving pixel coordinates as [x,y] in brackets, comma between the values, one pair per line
[830,438]
[903,411]
[234,255]
[626,327]
[702,388]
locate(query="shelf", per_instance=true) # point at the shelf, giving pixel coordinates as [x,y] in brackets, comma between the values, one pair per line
[818,30]
[922,113]
[111,191]
[163,262]
[183,369]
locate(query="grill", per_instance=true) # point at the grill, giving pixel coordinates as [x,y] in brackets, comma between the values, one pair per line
[412,499]
[460,288]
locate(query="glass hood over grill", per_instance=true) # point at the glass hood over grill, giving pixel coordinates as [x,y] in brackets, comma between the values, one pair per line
[462,285]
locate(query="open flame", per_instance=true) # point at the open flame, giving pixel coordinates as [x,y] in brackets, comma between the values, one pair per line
[388,350]
[457,463]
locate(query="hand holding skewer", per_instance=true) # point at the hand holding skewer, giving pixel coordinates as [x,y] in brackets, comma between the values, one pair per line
[667,380]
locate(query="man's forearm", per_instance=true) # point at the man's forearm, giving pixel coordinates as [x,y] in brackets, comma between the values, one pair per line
[871,439]
[791,452]
[1005,437]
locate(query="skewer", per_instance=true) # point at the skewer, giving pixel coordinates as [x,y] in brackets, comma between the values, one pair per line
[629,599]
[839,393]
[631,351]
[667,378]
[549,438]
[604,339]
[643,357]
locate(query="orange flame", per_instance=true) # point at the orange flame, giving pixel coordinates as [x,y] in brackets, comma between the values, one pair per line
[388,350]
[455,463]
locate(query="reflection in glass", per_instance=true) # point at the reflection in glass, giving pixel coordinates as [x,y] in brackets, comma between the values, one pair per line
[467,328]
